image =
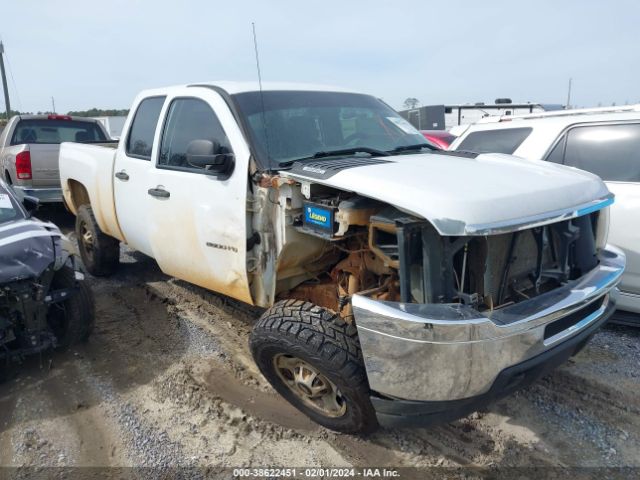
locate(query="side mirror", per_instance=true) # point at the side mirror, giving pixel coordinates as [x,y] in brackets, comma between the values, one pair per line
[210,156]
[30,203]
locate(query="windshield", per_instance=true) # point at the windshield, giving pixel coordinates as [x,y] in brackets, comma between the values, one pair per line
[56,131]
[299,124]
[9,209]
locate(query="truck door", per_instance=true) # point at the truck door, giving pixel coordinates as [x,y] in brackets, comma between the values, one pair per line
[197,221]
[133,169]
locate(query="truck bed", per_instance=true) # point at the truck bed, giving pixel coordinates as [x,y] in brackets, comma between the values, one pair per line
[91,166]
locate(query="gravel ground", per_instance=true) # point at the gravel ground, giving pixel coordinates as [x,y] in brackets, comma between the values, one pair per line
[167,381]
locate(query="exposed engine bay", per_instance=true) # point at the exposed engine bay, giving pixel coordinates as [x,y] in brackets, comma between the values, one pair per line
[331,245]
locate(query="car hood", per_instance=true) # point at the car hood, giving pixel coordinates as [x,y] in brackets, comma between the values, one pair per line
[465,194]
[27,248]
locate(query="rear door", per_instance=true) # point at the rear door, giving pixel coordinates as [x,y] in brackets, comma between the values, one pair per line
[197,221]
[133,173]
[611,151]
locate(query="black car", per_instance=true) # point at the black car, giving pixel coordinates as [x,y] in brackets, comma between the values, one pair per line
[44,301]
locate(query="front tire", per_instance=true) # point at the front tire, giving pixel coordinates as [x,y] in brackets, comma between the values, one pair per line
[100,253]
[72,320]
[312,357]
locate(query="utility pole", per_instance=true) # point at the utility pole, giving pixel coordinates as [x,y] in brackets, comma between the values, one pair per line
[53,104]
[4,81]
[569,95]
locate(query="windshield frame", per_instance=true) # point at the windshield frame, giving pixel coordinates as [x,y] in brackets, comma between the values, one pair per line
[258,152]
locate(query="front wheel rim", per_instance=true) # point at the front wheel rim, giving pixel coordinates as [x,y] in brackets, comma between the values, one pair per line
[309,385]
[86,237]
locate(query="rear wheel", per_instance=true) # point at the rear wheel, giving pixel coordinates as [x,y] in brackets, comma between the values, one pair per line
[312,358]
[100,253]
[72,320]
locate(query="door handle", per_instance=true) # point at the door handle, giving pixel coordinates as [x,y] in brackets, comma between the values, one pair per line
[158,192]
[122,175]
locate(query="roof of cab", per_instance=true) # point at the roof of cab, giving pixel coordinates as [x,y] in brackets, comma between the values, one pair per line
[556,122]
[568,116]
[253,86]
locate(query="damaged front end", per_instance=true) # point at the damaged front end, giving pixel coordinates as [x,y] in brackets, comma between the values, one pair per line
[482,315]
[444,321]
[31,252]
[489,271]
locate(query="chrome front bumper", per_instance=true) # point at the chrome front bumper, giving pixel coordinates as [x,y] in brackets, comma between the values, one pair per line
[445,352]
[45,195]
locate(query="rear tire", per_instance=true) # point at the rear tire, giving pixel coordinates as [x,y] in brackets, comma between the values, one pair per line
[72,320]
[100,253]
[312,357]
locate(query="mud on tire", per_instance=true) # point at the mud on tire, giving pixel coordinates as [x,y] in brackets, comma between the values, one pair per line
[100,253]
[71,320]
[330,347]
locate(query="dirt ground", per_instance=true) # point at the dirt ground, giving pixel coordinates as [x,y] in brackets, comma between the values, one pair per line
[167,380]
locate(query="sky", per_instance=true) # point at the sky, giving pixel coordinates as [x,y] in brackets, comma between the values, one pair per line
[101,54]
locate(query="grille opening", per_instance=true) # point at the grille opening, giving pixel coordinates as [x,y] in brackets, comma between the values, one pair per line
[570,320]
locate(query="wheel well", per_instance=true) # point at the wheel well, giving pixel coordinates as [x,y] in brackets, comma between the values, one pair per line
[79,194]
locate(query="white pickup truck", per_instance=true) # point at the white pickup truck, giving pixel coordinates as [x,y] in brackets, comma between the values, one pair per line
[403,285]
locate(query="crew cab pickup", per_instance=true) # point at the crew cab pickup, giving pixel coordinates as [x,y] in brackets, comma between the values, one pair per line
[403,285]
[29,147]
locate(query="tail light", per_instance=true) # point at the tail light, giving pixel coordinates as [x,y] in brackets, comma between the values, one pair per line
[59,117]
[23,165]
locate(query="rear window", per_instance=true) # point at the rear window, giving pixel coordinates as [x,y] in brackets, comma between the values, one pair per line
[495,141]
[56,131]
[610,151]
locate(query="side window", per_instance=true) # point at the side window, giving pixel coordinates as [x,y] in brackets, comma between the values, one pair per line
[189,119]
[143,128]
[556,155]
[504,140]
[610,151]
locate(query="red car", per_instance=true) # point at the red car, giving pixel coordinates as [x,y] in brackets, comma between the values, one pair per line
[440,138]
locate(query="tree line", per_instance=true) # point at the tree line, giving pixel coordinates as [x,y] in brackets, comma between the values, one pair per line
[93,112]
[98,112]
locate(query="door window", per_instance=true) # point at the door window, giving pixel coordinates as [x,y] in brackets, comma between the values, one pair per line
[557,154]
[143,128]
[189,119]
[610,151]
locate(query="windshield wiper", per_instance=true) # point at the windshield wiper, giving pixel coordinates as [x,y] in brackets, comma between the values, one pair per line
[336,153]
[418,146]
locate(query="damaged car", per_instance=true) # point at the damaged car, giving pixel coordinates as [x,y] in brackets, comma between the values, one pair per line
[44,301]
[402,285]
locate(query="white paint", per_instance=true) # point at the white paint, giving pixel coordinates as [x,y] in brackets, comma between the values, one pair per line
[491,188]
[199,233]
